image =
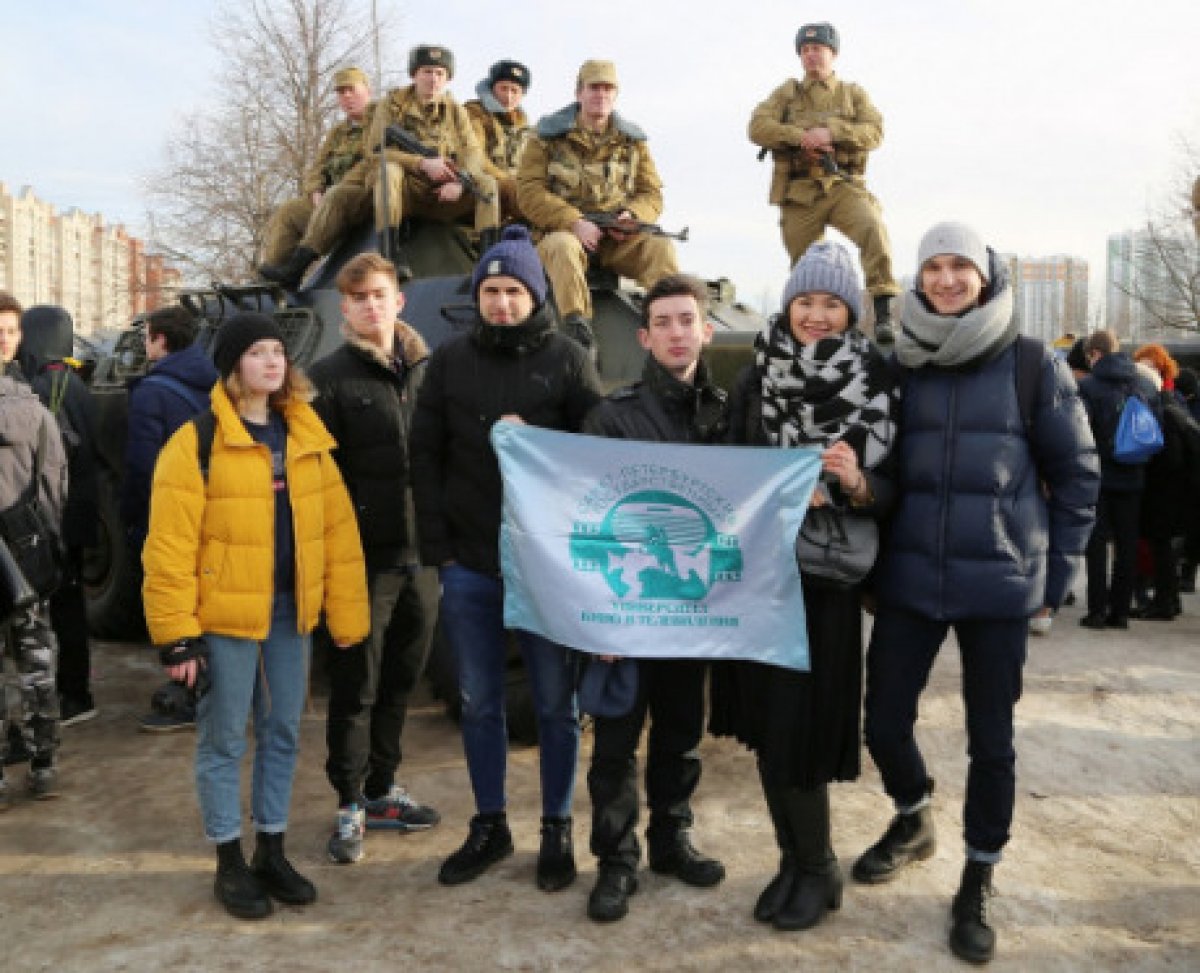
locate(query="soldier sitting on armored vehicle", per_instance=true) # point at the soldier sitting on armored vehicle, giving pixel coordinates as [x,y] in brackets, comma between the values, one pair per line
[335,194]
[588,159]
[430,184]
[502,128]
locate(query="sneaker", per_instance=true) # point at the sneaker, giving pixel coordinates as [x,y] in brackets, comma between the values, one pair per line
[42,783]
[76,709]
[1040,624]
[172,708]
[346,843]
[397,811]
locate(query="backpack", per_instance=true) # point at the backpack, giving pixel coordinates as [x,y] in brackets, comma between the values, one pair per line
[1138,436]
[30,535]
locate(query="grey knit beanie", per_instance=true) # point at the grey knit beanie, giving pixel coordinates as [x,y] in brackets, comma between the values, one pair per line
[826,268]
[954,238]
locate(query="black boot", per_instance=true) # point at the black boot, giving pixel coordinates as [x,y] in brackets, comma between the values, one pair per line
[396,238]
[817,887]
[276,874]
[609,900]
[909,838]
[971,938]
[289,273]
[580,328]
[489,236]
[235,887]
[675,855]
[488,842]
[885,331]
[556,858]
[780,887]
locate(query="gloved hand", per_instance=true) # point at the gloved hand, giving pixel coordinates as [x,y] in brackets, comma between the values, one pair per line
[186,662]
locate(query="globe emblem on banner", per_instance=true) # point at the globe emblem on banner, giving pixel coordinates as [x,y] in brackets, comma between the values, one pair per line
[656,545]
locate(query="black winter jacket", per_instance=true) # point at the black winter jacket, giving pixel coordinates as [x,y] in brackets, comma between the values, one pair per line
[1103,391]
[367,403]
[528,370]
[660,408]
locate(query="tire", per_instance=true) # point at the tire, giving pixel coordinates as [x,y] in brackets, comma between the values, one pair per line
[112,578]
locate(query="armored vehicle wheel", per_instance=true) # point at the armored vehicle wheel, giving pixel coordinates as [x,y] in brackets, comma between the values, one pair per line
[111,576]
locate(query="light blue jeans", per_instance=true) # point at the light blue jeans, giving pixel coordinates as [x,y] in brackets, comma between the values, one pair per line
[269,678]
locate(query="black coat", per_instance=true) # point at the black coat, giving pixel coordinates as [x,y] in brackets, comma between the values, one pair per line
[1172,473]
[1103,391]
[528,370]
[367,404]
[660,408]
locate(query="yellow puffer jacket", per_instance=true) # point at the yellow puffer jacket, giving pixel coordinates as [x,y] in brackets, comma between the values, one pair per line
[210,554]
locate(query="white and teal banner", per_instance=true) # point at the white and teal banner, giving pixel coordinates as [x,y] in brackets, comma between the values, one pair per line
[654,550]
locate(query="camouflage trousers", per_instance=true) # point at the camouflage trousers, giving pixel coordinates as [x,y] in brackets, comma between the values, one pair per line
[642,257]
[342,208]
[286,229]
[412,195]
[850,209]
[28,701]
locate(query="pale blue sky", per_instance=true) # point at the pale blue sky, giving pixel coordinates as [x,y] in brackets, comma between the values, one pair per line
[1046,124]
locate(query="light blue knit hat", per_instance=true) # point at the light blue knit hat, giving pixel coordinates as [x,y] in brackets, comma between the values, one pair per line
[826,268]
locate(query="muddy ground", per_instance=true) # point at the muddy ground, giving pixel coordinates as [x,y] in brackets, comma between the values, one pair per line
[1103,872]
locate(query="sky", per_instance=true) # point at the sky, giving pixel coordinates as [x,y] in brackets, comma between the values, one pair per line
[1047,125]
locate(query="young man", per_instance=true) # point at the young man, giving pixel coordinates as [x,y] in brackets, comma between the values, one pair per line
[990,521]
[674,402]
[514,365]
[429,188]
[588,159]
[820,129]
[502,128]
[366,391]
[334,196]
[177,386]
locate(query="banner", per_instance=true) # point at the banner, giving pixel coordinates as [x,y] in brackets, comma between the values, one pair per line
[654,550]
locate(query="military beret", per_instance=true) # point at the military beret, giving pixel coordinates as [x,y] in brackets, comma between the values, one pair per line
[821,33]
[350,76]
[513,71]
[597,72]
[430,56]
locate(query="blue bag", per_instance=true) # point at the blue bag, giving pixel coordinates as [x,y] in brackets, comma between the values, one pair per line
[1138,434]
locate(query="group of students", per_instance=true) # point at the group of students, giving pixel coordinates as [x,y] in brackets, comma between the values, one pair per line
[253,534]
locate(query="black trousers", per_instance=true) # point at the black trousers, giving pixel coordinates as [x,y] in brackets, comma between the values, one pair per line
[1116,521]
[369,687]
[68,618]
[671,692]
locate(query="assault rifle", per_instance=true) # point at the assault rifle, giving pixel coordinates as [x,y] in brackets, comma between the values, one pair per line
[399,138]
[611,221]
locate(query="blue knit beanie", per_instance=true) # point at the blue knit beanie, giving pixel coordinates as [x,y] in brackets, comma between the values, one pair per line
[826,268]
[513,256]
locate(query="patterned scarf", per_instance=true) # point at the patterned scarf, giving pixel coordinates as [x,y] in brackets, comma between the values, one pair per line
[838,388]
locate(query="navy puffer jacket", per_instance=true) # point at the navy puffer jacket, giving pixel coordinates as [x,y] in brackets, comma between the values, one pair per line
[974,534]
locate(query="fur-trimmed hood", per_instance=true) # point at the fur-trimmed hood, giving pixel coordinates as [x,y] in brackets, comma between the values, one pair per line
[562,121]
[412,346]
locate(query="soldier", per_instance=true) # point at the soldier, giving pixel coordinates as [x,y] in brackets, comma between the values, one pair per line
[334,196]
[501,125]
[820,130]
[588,159]
[430,188]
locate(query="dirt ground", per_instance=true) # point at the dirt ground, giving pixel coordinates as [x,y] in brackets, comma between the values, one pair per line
[1103,872]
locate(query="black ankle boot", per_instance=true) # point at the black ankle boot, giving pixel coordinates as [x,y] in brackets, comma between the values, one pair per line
[235,887]
[556,859]
[909,838]
[813,894]
[971,938]
[817,884]
[276,874]
[289,273]
[676,855]
[488,842]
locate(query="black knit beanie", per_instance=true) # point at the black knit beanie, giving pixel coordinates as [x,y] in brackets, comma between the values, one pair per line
[239,333]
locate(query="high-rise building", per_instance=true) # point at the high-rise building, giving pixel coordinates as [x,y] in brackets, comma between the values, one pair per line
[98,272]
[1141,290]
[1050,295]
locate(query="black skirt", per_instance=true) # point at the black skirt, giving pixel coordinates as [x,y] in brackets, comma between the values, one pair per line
[805,727]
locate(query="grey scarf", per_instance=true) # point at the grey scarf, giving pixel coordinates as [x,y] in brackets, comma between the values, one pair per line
[929,338]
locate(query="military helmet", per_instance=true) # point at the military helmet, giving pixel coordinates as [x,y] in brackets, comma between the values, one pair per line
[822,33]
[513,71]
[430,55]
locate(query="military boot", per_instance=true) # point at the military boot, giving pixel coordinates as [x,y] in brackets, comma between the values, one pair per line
[276,874]
[885,331]
[580,328]
[909,838]
[971,938]
[289,273]
[236,887]
[396,238]
[489,236]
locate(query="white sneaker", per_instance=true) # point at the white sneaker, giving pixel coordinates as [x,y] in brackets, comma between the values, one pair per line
[1040,624]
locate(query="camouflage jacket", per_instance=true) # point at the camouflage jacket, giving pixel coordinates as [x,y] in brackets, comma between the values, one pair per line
[342,149]
[565,172]
[502,134]
[442,125]
[778,123]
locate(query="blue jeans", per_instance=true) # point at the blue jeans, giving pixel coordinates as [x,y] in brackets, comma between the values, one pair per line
[270,677]
[472,618]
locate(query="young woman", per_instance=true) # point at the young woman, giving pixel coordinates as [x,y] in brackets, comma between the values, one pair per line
[817,383]
[244,552]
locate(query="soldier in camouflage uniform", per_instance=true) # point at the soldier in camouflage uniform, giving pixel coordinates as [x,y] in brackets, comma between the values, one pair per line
[424,187]
[502,127]
[335,187]
[588,159]
[819,131]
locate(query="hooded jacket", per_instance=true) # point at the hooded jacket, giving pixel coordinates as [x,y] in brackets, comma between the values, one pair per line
[210,555]
[23,421]
[1103,391]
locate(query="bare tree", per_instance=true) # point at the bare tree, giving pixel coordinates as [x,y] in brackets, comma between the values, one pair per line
[226,168]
